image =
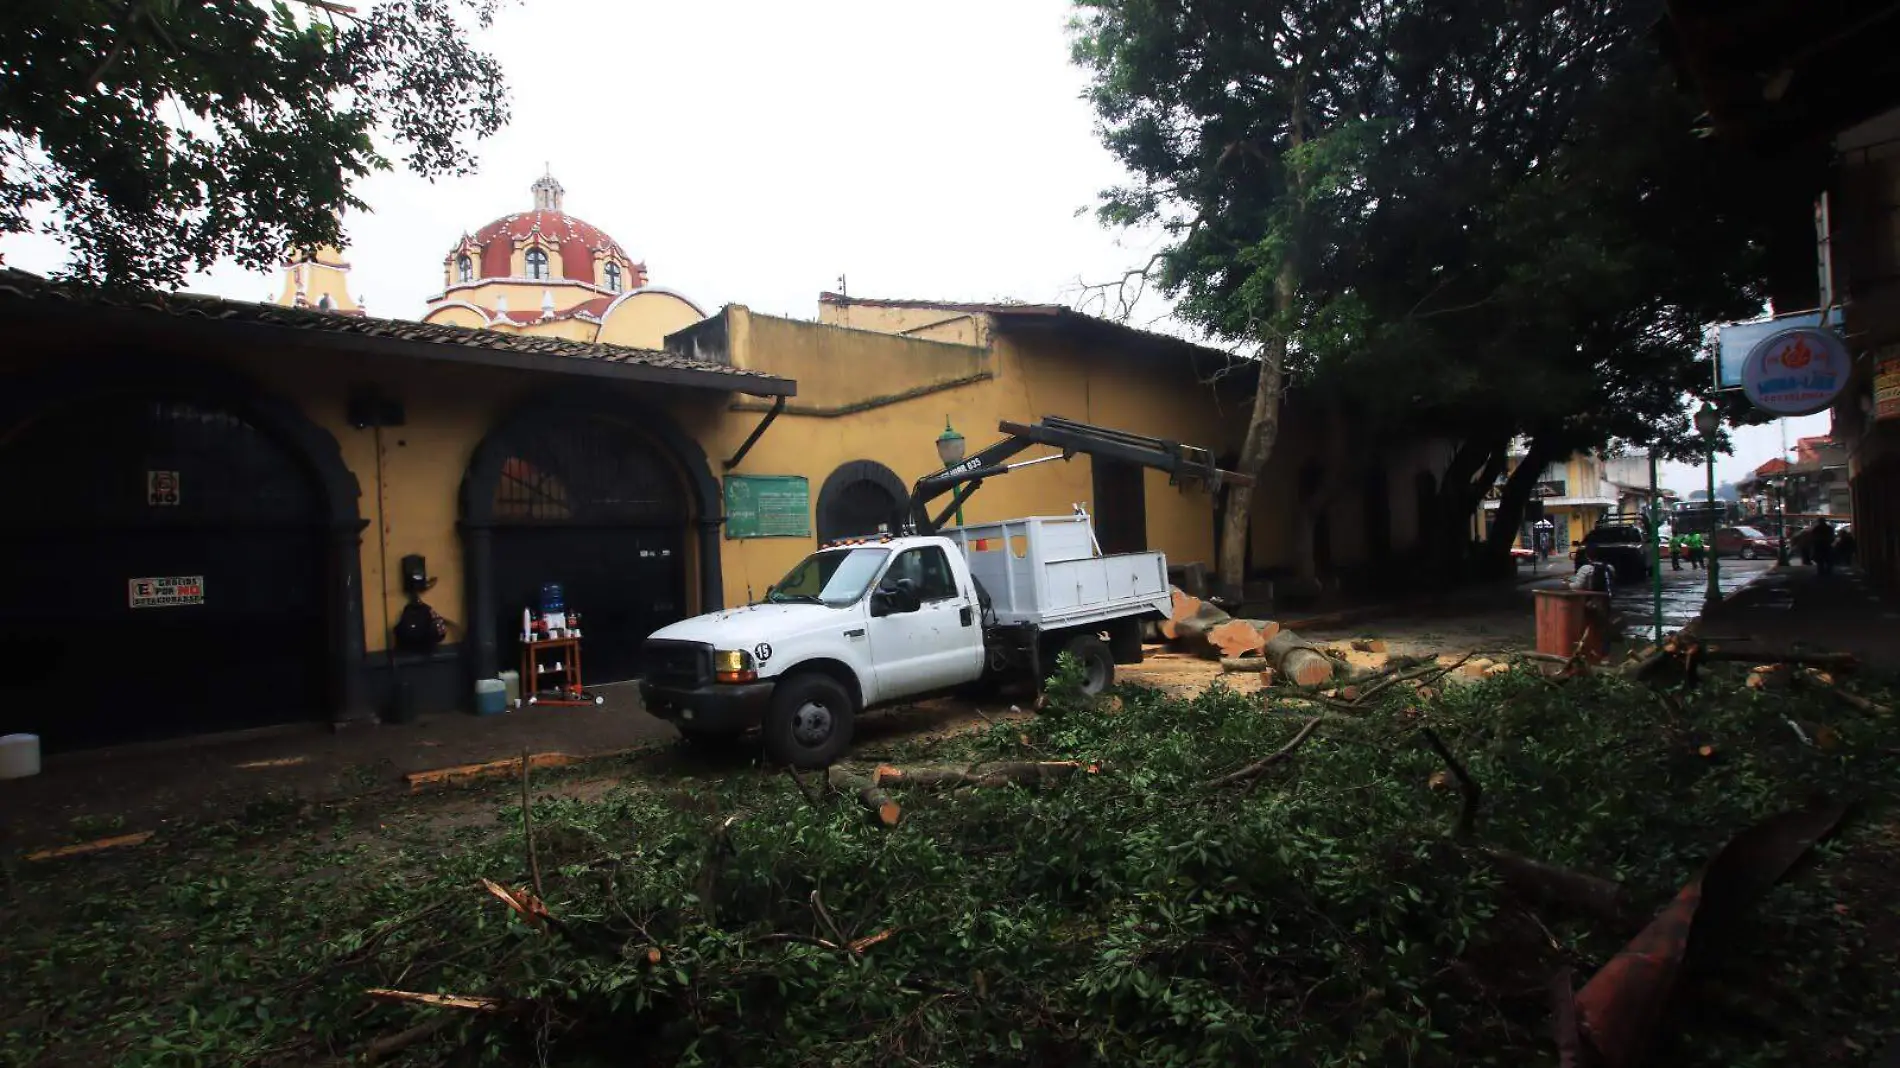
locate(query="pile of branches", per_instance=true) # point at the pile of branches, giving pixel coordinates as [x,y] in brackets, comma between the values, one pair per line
[1141,880]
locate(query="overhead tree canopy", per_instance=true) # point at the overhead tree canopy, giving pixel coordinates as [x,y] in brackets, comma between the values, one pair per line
[167,135]
[1483,220]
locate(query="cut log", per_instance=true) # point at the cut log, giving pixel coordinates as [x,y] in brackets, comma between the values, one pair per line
[869,794]
[1236,637]
[1298,660]
[1236,665]
[1183,606]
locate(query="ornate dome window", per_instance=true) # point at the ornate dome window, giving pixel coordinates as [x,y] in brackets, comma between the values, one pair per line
[537,260]
[613,277]
[464,268]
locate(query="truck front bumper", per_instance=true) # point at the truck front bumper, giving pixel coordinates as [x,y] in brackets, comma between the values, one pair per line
[721,708]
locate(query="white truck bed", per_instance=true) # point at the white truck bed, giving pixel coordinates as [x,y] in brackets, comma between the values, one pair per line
[1047,570]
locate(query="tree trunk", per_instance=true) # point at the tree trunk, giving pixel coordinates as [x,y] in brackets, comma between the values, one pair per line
[1474,467]
[1516,492]
[1263,422]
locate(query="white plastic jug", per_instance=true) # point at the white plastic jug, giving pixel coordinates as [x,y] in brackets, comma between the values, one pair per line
[19,756]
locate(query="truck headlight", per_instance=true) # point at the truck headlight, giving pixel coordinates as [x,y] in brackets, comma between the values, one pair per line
[733,665]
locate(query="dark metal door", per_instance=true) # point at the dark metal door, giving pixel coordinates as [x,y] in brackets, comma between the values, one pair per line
[593,505]
[128,489]
[859,508]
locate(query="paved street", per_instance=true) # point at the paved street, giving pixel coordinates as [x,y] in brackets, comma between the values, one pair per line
[1683,591]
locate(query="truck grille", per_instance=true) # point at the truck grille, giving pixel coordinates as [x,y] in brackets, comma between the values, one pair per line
[679,665]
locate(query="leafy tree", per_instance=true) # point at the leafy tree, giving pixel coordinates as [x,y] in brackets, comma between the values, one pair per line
[167,135]
[1483,220]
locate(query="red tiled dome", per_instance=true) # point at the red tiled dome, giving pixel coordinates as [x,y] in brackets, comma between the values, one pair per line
[577,239]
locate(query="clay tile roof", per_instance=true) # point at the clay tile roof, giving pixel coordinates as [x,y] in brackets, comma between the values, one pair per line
[20,290]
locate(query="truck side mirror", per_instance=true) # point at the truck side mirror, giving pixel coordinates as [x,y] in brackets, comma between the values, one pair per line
[895,599]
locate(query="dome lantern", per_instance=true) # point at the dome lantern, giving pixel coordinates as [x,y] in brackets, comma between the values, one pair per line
[547,193]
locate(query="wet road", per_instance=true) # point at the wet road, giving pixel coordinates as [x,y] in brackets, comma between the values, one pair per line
[1682,591]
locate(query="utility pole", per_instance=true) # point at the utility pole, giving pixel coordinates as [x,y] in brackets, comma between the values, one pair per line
[1655,545]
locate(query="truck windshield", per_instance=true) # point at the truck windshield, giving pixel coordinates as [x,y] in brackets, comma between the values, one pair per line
[834,577]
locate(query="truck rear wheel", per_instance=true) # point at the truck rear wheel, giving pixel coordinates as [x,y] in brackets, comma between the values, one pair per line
[810,723]
[1098,665]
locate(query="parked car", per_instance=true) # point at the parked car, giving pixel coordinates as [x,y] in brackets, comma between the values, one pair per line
[1621,546]
[1748,543]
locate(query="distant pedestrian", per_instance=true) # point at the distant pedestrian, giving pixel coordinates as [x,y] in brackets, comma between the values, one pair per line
[1693,545]
[1675,551]
[1821,543]
[1844,547]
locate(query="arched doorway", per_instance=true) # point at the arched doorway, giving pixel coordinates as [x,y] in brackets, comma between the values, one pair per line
[180,475]
[599,495]
[1376,508]
[861,497]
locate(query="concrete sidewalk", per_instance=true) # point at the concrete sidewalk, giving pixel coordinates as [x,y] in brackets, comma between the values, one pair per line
[87,794]
[1796,608]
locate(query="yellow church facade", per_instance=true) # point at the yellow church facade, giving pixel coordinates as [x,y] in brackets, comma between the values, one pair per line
[546,273]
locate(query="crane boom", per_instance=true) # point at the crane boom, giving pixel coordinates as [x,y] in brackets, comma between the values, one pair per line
[1183,463]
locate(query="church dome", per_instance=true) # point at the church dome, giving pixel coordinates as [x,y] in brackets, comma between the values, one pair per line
[545,244]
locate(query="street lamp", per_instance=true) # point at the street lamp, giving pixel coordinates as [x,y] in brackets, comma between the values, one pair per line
[950,449]
[1707,421]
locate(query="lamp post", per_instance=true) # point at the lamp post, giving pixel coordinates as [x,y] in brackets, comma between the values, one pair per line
[1707,421]
[950,449]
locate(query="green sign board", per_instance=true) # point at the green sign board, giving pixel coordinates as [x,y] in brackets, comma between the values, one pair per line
[768,506]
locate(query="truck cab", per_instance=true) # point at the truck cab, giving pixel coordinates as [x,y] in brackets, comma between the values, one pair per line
[860,624]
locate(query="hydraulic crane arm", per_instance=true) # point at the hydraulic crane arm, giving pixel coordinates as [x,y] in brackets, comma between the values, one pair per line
[1183,463]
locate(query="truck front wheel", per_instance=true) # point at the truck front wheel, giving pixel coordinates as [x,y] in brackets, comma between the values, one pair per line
[810,722]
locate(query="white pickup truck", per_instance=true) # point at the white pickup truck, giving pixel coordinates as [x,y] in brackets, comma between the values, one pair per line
[875,621]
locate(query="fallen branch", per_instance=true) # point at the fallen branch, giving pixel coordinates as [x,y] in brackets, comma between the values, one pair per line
[1473,793]
[1006,773]
[139,838]
[403,1039]
[1239,665]
[1835,661]
[1434,670]
[1815,677]
[799,781]
[1283,753]
[441,1001]
[527,827]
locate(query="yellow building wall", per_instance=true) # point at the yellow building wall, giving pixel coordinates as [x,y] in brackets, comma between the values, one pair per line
[837,368]
[643,320]
[938,324]
[1031,378]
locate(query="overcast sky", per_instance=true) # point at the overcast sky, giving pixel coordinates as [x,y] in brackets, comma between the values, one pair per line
[753,152]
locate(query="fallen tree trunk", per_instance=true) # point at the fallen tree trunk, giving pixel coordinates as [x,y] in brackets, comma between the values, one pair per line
[1299,660]
[885,810]
[1237,665]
